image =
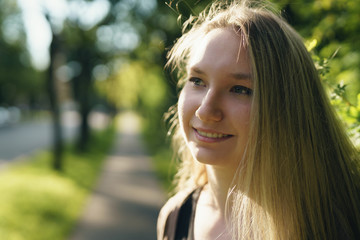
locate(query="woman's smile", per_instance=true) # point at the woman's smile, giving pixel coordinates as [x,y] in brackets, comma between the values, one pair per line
[211,136]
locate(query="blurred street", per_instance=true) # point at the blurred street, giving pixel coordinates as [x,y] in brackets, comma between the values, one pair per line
[128,197]
[23,138]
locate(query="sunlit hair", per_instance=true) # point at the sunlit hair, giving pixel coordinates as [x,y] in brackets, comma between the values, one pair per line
[299,175]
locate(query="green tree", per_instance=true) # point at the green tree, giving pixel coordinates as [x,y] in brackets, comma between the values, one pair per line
[83,56]
[331,30]
[20,84]
[52,90]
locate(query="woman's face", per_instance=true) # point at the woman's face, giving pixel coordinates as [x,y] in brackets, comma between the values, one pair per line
[214,105]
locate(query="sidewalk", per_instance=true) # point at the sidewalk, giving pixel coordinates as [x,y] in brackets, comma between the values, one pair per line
[128,197]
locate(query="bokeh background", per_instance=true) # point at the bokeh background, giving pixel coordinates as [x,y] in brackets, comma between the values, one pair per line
[70,68]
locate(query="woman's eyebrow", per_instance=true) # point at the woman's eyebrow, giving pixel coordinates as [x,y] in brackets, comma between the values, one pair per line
[196,70]
[237,76]
[241,76]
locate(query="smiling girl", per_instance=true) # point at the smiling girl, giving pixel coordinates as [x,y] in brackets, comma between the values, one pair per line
[262,153]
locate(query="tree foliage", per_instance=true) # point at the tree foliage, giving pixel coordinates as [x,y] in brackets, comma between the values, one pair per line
[19,83]
[330,31]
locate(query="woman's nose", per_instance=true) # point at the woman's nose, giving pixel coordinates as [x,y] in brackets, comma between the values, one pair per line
[210,108]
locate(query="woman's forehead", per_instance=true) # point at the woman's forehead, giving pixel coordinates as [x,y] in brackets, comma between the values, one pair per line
[220,48]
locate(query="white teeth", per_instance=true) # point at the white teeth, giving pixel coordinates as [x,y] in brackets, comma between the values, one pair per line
[212,135]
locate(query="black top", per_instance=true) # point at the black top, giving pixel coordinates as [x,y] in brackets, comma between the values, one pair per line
[185,221]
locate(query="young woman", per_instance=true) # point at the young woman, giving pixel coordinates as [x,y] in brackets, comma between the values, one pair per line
[262,153]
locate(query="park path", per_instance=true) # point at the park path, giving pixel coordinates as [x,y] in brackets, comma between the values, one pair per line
[128,197]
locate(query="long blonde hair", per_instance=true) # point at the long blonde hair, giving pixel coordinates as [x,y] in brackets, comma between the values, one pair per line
[300,176]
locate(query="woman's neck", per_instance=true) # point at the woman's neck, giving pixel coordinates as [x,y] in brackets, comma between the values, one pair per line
[219,182]
[211,206]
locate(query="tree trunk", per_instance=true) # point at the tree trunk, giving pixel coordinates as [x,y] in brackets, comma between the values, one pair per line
[54,105]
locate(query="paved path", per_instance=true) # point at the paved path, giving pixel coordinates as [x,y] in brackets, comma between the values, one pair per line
[127,199]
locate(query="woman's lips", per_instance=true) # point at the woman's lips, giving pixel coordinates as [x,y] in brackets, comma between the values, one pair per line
[210,136]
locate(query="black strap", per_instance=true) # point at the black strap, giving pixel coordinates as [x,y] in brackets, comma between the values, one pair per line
[185,221]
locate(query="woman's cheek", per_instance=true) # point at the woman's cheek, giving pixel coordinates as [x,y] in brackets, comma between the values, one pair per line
[181,110]
[181,106]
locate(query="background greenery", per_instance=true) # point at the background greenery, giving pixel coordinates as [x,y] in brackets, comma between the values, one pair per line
[116,63]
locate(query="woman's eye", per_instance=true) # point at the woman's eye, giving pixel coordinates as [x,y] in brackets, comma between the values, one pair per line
[197,81]
[242,90]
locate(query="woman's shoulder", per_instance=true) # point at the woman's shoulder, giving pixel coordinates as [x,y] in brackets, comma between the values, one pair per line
[179,197]
[168,215]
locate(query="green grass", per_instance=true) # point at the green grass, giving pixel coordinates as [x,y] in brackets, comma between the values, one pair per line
[38,203]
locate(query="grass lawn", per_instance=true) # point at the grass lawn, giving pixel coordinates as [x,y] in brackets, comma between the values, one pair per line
[38,203]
